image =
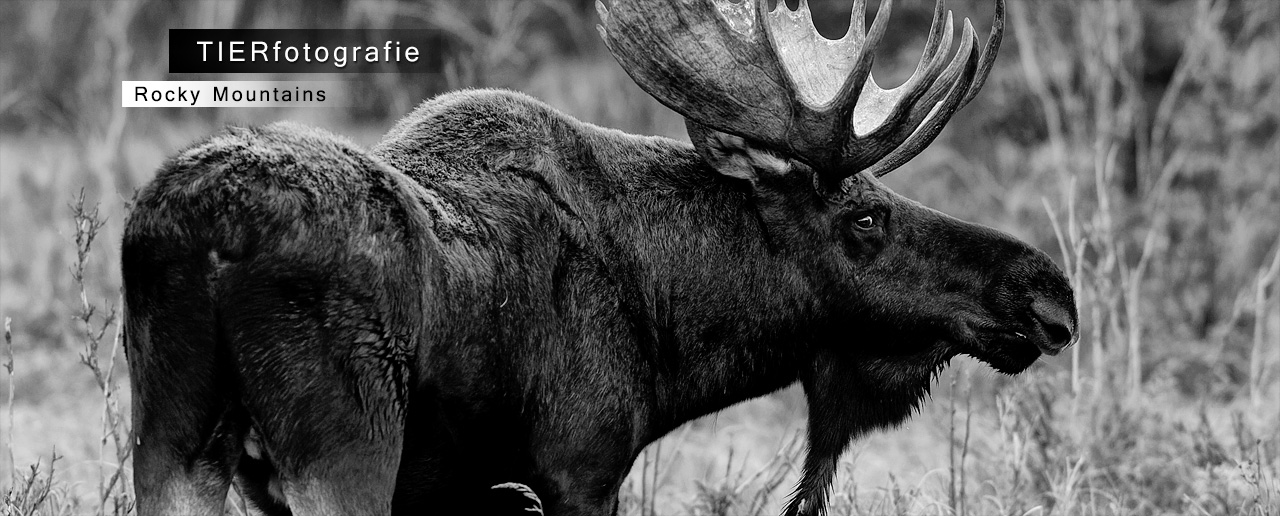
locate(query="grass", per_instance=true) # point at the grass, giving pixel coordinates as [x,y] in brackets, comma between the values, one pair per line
[1152,179]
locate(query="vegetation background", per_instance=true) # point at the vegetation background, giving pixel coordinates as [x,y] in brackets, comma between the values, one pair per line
[1138,141]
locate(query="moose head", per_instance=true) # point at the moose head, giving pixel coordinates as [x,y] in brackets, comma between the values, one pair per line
[898,288]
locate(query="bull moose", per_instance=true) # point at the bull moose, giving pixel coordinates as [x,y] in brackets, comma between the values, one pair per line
[497,292]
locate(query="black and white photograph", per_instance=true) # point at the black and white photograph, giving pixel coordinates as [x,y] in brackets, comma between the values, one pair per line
[640,257]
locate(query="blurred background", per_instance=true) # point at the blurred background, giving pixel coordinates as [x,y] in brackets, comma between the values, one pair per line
[1136,141]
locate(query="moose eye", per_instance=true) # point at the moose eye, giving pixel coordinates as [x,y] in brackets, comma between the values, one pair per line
[866,222]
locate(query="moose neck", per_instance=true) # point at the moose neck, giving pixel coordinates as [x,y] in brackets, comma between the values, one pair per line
[729,308]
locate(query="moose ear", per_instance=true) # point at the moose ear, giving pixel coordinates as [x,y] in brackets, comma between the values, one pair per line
[734,156]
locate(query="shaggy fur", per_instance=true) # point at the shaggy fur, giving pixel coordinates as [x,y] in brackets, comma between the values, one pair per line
[499,293]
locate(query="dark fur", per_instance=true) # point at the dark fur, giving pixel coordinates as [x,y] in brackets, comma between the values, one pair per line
[499,293]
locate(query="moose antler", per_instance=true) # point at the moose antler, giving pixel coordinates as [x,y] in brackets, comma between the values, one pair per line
[782,84]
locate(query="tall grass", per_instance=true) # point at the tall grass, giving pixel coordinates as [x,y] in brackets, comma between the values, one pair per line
[1137,139]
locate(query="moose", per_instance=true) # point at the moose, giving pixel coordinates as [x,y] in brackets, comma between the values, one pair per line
[498,293]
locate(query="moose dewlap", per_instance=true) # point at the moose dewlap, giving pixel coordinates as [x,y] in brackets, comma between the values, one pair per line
[498,294]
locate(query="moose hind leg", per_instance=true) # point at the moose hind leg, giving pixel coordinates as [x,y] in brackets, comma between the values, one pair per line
[324,389]
[169,480]
[186,437]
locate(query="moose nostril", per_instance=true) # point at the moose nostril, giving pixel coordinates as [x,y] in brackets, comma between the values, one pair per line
[1059,335]
[1056,321]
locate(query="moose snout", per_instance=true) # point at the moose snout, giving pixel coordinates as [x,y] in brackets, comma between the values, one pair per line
[1057,324]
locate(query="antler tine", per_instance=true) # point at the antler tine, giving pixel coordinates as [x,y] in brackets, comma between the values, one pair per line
[914,134]
[939,42]
[890,116]
[988,53]
[878,26]
[858,20]
[846,100]
[891,125]
[926,124]
[885,110]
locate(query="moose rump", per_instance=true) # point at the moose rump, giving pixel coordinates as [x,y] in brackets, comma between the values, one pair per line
[275,292]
